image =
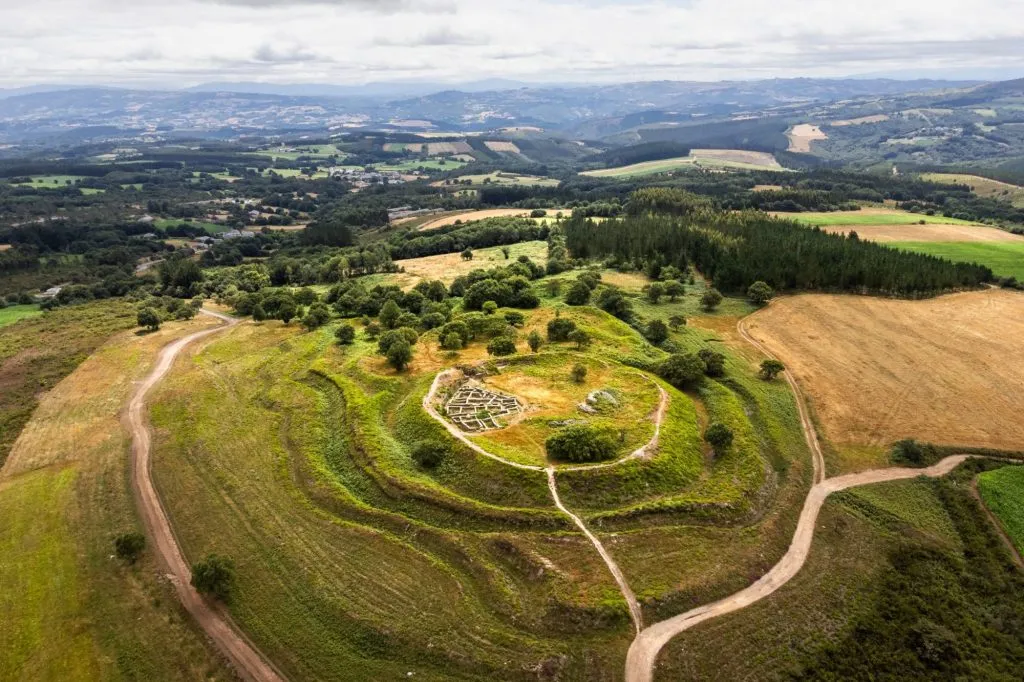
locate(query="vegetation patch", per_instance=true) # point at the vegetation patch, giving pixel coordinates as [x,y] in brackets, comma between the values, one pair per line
[1003,493]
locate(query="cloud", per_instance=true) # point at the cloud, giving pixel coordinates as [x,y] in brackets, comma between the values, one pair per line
[274,55]
[439,37]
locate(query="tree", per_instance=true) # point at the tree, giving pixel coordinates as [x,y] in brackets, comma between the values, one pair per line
[515,318]
[613,302]
[580,443]
[317,316]
[258,313]
[578,294]
[759,293]
[306,296]
[399,354]
[393,336]
[149,319]
[489,307]
[674,290]
[580,338]
[467,254]
[714,362]
[506,252]
[710,300]
[389,314]
[451,341]
[682,370]
[129,546]
[771,369]
[372,330]
[533,340]
[501,346]
[560,328]
[345,334]
[677,321]
[214,576]
[429,454]
[719,437]
[655,291]
[578,373]
[287,311]
[656,332]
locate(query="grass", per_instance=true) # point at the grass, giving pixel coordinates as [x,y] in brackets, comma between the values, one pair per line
[644,168]
[983,187]
[211,228]
[872,217]
[418,164]
[72,611]
[446,267]
[55,181]
[1003,493]
[322,151]
[501,178]
[15,313]
[1004,258]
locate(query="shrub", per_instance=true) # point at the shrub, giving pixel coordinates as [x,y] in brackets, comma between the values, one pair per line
[613,302]
[129,546]
[719,437]
[372,330]
[317,316]
[399,354]
[489,307]
[451,341]
[682,370]
[580,443]
[674,290]
[258,313]
[389,315]
[534,340]
[429,454]
[432,320]
[710,300]
[389,338]
[516,319]
[579,373]
[214,576]
[910,451]
[654,292]
[759,293]
[677,321]
[538,213]
[580,338]
[714,362]
[560,328]
[345,334]
[501,346]
[770,369]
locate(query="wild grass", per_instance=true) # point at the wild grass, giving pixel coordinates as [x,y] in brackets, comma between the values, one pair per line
[1003,493]
[14,313]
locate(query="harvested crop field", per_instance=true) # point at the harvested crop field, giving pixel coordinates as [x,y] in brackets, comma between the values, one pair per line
[983,187]
[643,168]
[927,233]
[948,370]
[475,215]
[500,146]
[870,216]
[877,118]
[447,266]
[801,136]
[738,157]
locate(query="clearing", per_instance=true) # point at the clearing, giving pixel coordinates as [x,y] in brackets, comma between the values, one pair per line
[472,216]
[644,168]
[983,187]
[500,146]
[801,136]
[447,266]
[1003,493]
[878,370]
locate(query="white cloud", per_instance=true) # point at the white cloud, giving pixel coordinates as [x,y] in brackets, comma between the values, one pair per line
[153,42]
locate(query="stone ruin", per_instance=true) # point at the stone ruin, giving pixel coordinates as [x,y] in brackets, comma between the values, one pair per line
[593,402]
[474,408]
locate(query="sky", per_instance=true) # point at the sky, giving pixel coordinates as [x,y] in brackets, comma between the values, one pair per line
[160,43]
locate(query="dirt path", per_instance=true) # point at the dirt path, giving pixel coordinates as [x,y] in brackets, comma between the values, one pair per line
[644,650]
[248,662]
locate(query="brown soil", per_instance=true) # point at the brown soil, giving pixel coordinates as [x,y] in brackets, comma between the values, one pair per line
[801,136]
[948,370]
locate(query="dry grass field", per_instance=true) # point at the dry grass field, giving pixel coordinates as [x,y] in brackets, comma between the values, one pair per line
[447,266]
[801,136]
[948,370]
[983,187]
[927,233]
[736,156]
[476,215]
[499,146]
[877,118]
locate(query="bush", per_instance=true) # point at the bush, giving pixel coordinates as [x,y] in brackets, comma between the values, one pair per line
[910,451]
[719,437]
[580,338]
[399,354]
[451,341]
[613,302]
[148,319]
[770,369]
[578,294]
[317,316]
[515,319]
[677,321]
[489,307]
[656,332]
[579,373]
[129,546]
[372,330]
[580,443]
[345,334]
[654,292]
[560,328]
[674,290]
[429,454]
[760,293]
[214,576]
[714,362]
[501,346]
[534,340]
[682,370]
[710,300]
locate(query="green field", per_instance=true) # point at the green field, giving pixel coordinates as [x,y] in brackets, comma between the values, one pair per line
[871,217]
[211,228]
[15,313]
[1003,493]
[1005,258]
[320,151]
[416,164]
[500,178]
[645,168]
[55,180]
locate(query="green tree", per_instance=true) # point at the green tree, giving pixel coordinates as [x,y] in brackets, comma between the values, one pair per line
[258,313]
[534,340]
[719,437]
[429,454]
[148,319]
[554,287]
[345,334]
[317,316]
[287,311]
[759,293]
[710,300]
[580,338]
[654,292]
[399,354]
[682,370]
[389,314]
[714,362]
[580,443]
[501,346]
[489,307]
[129,546]
[578,294]
[451,341]
[656,332]
[506,252]
[771,369]
[214,576]
[467,254]
[674,290]
[372,330]
[677,321]
[560,328]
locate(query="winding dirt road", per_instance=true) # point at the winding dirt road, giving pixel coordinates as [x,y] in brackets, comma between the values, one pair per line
[248,662]
[648,643]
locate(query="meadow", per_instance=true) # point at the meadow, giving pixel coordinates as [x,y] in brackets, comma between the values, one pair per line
[716,159]
[211,228]
[15,313]
[1005,259]
[503,178]
[983,187]
[871,216]
[1003,493]
[421,164]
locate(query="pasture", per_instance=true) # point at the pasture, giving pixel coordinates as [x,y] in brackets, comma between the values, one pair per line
[211,228]
[1006,258]
[16,313]
[860,120]
[471,216]
[502,147]
[644,168]
[929,232]
[983,187]
[1003,493]
[286,153]
[712,159]
[870,216]
[948,370]
[440,164]
[802,136]
[447,266]
[502,178]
